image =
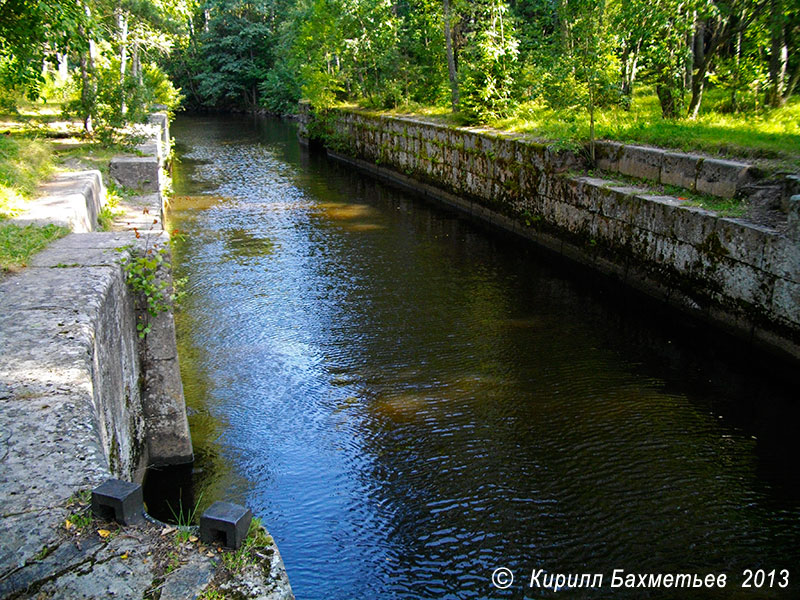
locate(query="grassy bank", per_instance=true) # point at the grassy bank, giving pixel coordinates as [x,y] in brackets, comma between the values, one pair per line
[36,142]
[763,134]
[18,244]
[24,163]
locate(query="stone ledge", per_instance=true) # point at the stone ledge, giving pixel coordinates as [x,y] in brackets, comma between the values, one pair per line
[713,176]
[138,173]
[71,200]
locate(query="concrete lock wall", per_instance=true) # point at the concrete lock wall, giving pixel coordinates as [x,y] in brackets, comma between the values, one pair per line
[741,276]
[82,396]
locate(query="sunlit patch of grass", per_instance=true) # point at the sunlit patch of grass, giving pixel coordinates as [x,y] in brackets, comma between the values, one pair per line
[766,134]
[24,163]
[110,210]
[773,134]
[87,154]
[18,244]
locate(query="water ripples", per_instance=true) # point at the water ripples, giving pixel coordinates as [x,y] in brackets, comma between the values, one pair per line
[409,403]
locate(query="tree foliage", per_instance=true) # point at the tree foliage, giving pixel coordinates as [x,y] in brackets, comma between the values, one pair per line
[481,57]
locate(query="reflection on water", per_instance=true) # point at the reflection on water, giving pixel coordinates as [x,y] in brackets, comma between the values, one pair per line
[410,402]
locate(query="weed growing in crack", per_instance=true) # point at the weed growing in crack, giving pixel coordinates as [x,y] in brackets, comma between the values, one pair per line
[143,270]
[184,519]
[80,518]
[251,551]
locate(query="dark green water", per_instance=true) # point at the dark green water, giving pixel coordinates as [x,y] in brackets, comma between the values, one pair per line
[409,401]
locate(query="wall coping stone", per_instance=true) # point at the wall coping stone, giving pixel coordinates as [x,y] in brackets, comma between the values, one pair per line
[71,200]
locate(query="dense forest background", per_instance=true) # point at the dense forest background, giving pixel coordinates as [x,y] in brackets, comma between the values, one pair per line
[482,59]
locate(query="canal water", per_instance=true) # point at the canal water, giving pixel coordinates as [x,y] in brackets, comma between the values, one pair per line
[410,401]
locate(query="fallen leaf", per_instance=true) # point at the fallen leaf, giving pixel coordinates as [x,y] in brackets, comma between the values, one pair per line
[167,530]
[210,554]
[193,538]
[103,533]
[68,524]
[124,556]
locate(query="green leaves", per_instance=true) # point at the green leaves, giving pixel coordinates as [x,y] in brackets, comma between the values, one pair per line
[144,275]
[489,75]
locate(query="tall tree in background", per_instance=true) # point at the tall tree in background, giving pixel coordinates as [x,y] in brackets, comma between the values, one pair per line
[489,64]
[31,33]
[452,73]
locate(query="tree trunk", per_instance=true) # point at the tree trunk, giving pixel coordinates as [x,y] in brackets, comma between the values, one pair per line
[630,67]
[122,23]
[591,126]
[778,54]
[702,60]
[88,85]
[698,87]
[63,66]
[699,45]
[451,61]
[86,93]
[792,84]
[690,43]
[736,74]
[136,66]
[666,96]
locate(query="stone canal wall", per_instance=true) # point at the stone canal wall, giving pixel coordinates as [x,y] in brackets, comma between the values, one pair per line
[739,275]
[83,398]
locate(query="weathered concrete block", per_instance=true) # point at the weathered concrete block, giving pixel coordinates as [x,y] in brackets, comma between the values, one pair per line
[793,218]
[120,501]
[663,249]
[483,187]
[559,161]
[721,177]
[574,219]
[679,169]
[782,257]
[486,144]
[70,200]
[504,149]
[696,226]
[744,283]
[594,192]
[744,241]
[188,581]
[659,214]
[642,162]
[139,173]
[607,155]
[609,232]
[619,202]
[785,300]
[684,256]
[641,242]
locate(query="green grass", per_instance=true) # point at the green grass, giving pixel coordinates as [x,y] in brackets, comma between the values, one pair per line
[771,134]
[110,210]
[80,154]
[18,244]
[249,553]
[24,163]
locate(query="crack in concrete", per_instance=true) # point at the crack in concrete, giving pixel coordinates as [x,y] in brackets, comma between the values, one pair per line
[13,584]
[25,512]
